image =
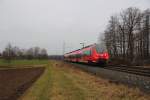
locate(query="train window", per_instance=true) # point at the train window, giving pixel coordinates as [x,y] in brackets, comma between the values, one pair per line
[78,55]
[99,49]
[87,52]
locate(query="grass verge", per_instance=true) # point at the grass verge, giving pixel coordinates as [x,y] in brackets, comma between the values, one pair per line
[65,82]
[22,63]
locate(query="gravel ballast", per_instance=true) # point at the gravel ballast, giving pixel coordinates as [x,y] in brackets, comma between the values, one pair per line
[142,82]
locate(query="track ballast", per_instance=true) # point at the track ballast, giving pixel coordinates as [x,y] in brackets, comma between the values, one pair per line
[130,69]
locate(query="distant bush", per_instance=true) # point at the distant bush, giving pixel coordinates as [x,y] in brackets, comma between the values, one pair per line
[15,52]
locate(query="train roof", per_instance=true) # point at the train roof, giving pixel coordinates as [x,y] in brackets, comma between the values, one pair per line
[81,48]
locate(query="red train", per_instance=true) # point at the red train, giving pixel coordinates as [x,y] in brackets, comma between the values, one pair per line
[89,54]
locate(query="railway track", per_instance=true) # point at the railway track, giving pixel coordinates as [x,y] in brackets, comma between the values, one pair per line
[130,75]
[129,69]
[121,68]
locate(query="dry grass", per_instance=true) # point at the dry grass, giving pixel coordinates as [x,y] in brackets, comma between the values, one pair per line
[65,82]
[99,88]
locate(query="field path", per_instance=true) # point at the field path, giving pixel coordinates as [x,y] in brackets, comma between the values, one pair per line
[65,82]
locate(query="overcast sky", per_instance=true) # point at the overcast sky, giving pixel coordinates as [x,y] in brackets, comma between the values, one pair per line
[49,23]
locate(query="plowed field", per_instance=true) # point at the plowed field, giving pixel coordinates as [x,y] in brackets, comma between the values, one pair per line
[13,82]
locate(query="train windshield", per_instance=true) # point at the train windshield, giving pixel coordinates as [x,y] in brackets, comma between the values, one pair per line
[100,48]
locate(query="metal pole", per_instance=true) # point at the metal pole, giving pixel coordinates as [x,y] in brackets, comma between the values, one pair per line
[82,44]
[64,48]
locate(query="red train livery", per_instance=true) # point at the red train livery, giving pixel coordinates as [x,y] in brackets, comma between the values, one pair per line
[89,54]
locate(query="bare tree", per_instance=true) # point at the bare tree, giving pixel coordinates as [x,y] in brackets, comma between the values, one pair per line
[127,35]
[111,36]
[43,53]
[36,52]
[8,53]
[131,18]
[0,54]
[15,52]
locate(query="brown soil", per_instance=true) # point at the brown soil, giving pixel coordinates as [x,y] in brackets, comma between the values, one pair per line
[13,82]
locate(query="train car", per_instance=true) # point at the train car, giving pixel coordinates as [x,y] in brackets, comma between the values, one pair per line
[89,54]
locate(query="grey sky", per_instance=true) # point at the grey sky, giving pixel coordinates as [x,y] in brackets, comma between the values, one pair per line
[49,23]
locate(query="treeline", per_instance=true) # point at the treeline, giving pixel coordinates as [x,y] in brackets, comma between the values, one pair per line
[14,52]
[127,35]
[56,57]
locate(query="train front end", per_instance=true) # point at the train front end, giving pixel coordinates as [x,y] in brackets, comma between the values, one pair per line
[100,55]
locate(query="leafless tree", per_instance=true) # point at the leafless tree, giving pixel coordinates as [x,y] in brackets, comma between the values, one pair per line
[36,52]
[8,53]
[127,35]
[43,53]
[15,52]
